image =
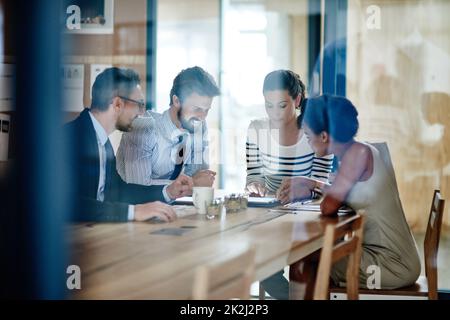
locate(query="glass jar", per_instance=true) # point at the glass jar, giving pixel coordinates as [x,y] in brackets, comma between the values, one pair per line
[232,203]
[214,209]
[244,201]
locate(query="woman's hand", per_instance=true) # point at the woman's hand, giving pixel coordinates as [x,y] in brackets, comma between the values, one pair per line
[256,189]
[295,188]
[330,206]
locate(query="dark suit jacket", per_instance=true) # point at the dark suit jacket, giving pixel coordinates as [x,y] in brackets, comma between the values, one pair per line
[85,166]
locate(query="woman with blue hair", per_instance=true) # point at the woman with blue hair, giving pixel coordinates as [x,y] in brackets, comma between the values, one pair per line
[362,182]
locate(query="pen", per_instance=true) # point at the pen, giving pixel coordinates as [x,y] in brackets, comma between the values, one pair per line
[288,205]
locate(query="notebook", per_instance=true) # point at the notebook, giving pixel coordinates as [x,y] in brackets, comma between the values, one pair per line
[266,202]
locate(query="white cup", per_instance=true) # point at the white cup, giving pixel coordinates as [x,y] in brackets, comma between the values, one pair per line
[202,197]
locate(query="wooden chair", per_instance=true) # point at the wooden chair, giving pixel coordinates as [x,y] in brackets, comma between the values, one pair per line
[226,279]
[341,240]
[426,286]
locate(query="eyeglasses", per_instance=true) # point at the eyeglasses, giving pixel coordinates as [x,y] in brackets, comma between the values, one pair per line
[141,104]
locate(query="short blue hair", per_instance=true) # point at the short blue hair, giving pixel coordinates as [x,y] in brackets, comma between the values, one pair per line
[333,114]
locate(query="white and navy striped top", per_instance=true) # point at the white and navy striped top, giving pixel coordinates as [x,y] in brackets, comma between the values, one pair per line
[269,163]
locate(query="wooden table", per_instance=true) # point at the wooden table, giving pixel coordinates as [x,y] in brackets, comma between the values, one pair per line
[126,261]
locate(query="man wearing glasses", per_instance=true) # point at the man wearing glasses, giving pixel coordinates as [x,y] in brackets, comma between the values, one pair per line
[163,146]
[100,193]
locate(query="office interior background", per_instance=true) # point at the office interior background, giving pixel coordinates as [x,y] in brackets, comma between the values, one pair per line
[391,58]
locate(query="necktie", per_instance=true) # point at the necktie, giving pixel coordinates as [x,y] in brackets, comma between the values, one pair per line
[110,164]
[179,166]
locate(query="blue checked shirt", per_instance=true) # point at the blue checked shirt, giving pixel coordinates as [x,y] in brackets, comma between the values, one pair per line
[148,154]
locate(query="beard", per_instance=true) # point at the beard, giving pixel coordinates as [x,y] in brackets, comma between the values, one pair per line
[191,124]
[124,127]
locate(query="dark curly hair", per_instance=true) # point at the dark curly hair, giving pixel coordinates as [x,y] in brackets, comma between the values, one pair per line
[333,114]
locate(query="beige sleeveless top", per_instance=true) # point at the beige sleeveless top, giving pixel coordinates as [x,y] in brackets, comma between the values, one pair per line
[388,241]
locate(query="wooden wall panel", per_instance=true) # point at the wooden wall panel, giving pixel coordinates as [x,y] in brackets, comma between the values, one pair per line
[398,77]
[125,48]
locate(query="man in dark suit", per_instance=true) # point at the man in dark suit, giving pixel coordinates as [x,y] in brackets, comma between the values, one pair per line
[100,193]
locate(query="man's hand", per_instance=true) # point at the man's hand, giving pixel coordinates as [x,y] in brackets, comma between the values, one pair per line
[256,189]
[146,211]
[181,187]
[295,188]
[204,178]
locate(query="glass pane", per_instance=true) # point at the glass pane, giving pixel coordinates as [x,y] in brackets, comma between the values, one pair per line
[398,76]
[258,37]
[188,34]
[121,41]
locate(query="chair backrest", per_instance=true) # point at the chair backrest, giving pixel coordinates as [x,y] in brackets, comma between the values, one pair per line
[431,243]
[341,240]
[225,279]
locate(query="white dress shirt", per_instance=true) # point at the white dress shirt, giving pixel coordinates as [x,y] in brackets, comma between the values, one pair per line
[102,138]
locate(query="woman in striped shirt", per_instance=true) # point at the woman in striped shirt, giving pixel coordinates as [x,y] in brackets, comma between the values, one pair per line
[276,147]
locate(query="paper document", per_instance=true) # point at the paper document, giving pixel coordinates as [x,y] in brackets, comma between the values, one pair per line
[184,200]
[310,206]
